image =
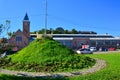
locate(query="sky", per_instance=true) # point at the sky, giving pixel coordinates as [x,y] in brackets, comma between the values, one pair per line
[101,16]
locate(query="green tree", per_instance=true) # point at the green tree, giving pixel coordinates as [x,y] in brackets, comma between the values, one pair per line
[60,30]
[4,28]
[3,31]
[1,28]
[10,34]
[57,32]
[42,31]
[74,31]
[67,32]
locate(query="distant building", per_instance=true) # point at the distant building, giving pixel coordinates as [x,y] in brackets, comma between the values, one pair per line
[75,41]
[20,38]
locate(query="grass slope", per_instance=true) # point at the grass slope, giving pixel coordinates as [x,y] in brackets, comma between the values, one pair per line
[111,72]
[47,55]
[40,51]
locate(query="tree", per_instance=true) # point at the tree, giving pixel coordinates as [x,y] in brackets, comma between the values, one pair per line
[60,30]
[4,28]
[3,41]
[10,34]
[3,45]
[57,32]
[1,28]
[74,31]
[67,32]
[42,31]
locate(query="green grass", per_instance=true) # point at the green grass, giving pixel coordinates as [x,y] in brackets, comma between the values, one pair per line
[111,72]
[39,51]
[46,55]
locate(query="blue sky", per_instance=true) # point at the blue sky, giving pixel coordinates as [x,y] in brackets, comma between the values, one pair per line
[101,16]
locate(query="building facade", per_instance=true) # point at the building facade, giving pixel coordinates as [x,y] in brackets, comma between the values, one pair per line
[75,41]
[20,39]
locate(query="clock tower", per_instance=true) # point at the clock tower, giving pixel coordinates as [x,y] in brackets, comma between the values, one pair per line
[26,26]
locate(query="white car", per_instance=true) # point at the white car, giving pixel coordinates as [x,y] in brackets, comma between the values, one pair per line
[84,51]
[93,49]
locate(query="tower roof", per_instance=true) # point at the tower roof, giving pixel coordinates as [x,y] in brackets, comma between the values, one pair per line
[26,17]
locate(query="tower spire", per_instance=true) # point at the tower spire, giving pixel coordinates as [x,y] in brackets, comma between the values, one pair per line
[26,17]
[26,26]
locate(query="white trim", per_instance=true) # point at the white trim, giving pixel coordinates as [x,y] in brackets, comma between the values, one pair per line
[63,38]
[104,38]
[76,34]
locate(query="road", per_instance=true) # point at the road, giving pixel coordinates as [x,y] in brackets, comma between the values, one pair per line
[106,52]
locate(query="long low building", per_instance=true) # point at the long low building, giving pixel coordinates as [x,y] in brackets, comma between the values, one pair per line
[75,41]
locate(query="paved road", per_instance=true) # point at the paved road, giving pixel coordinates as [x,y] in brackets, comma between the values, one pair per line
[105,52]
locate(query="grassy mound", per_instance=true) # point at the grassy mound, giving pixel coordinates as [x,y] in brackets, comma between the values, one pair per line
[46,55]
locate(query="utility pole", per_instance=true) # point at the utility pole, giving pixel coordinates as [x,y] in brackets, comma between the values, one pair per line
[46,16]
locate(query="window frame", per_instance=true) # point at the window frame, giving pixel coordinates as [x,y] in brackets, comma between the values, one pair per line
[18,38]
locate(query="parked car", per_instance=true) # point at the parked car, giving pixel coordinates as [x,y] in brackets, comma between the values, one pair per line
[84,51]
[93,49]
[103,49]
[111,49]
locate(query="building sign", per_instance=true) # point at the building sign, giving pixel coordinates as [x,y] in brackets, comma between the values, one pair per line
[78,42]
[85,46]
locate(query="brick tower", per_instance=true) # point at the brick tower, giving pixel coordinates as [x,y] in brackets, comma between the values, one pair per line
[26,26]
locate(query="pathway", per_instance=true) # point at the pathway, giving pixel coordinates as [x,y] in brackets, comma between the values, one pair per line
[100,64]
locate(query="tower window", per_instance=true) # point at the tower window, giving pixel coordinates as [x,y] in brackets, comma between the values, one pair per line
[18,38]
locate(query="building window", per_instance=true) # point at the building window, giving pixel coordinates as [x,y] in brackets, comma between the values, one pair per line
[18,38]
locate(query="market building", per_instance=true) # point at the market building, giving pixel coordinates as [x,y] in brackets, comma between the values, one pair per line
[76,41]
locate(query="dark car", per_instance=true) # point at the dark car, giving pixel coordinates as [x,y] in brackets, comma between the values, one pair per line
[103,49]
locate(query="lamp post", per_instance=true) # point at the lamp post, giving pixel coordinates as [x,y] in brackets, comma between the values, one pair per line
[46,16]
